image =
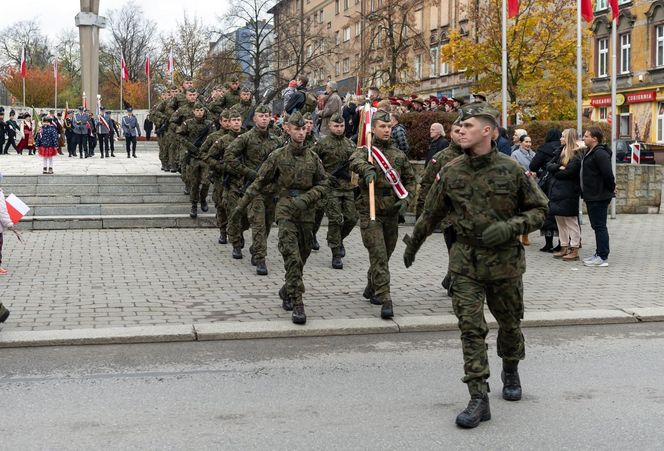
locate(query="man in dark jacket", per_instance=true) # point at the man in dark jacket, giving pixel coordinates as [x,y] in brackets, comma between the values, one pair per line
[538,165]
[598,187]
[438,141]
[147,126]
[298,101]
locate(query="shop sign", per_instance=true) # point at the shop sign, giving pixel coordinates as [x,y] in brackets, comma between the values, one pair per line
[641,97]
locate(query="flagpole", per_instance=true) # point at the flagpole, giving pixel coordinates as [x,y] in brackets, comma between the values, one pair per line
[24,92]
[55,100]
[148,92]
[121,78]
[614,118]
[579,73]
[504,64]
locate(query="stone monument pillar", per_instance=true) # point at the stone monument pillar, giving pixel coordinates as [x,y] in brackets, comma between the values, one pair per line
[89,22]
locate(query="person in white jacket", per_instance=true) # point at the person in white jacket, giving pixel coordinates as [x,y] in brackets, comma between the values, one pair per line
[5,224]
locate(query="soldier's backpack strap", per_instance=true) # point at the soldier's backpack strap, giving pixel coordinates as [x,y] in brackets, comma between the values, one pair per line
[391,174]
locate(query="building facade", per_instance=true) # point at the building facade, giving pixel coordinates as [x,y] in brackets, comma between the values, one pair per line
[640,69]
[351,40]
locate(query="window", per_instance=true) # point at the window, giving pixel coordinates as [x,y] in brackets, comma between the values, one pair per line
[379,38]
[433,71]
[346,34]
[320,17]
[624,2]
[602,57]
[603,114]
[625,52]
[659,46]
[346,65]
[418,67]
[310,51]
[444,68]
[660,122]
[337,70]
[601,5]
[418,20]
[373,5]
[434,17]
[346,4]
[336,6]
[337,38]
[358,28]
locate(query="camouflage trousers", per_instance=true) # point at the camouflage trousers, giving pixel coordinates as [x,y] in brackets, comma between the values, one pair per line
[320,214]
[163,151]
[185,170]
[218,198]
[379,238]
[172,149]
[295,242]
[198,180]
[260,214]
[505,301]
[235,228]
[342,217]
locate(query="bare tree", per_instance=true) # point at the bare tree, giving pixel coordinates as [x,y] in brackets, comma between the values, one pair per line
[132,36]
[24,34]
[68,52]
[190,44]
[218,66]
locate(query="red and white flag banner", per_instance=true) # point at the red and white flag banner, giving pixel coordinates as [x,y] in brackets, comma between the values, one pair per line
[24,64]
[123,69]
[16,208]
[512,8]
[391,174]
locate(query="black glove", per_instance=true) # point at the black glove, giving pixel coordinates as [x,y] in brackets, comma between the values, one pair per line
[369,176]
[299,203]
[497,234]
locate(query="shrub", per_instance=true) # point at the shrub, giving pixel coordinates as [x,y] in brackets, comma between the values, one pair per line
[417,128]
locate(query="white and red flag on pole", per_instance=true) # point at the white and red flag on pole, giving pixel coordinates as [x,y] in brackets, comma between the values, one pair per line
[124,73]
[512,8]
[55,69]
[615,10]
[587,10]
[24,64]
[147,66]
[16,208]
[170,68]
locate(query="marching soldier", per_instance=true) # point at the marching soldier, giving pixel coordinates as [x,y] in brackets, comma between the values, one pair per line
[394,180]
[217,103]
[489,201]
[158,114]
[232,96]
[243,159]
[300,181]
[244,106]
[178,98]
[335,151]
[185,111]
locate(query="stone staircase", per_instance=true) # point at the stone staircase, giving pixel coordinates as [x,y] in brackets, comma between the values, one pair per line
[104,201]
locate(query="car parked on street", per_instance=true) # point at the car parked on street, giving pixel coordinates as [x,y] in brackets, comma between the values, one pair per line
[624,152]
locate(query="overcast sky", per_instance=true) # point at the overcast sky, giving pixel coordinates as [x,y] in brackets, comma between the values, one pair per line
[57,15]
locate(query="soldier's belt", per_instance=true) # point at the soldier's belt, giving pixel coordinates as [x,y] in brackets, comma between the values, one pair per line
[476,241]
[293,192]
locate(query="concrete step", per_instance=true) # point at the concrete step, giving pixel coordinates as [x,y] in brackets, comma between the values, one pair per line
[117,222]
[92,189]
[119,198]
[112,209]
[14,180]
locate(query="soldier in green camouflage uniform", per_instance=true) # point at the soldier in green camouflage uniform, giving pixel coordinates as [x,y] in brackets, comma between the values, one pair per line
[185,111]
[380,236]
[214,158]
[158,115]
[245,107]
[217,103]
[335,151]
[232,96]
[490,202]
[311,141]
[178,98]
[243,159]
[194,131]
[169,130]
[300,180]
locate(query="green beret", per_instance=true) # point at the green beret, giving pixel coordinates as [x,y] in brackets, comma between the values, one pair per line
[234,112]
[245,89]
[191,90]
[478,109]
[337,118]
[233,79]
[262,108]
[199,106]
[226,114]
[308,117]
[218,88]
[296,120]
[380,115]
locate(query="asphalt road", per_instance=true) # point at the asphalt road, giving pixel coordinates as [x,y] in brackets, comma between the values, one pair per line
[584,388]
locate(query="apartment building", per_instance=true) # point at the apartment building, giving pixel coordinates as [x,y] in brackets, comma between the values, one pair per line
[640,68]
[351,47]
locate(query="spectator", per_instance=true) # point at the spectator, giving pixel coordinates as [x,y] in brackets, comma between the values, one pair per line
[399,138]
[564,191]
[543,157]
[47,143]
[5,224]
[302,100]
[438,141]
[598,187]
[524,155]
[348,113]
[502,143]
[333,105]
[2,129]
[516,138]
[287,93]
[27,135]
[148,125]
[11,129]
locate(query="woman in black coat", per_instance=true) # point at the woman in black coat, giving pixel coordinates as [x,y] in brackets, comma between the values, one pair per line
[564,193]
[538,165]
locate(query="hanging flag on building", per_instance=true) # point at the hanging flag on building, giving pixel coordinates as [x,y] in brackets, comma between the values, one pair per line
[124,73]
[147,66]
[512,8]
[587,10]
[24,64]
[615,10]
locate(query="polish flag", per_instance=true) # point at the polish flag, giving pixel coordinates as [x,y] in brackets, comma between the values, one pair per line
[615,10]
[123,69]
[170,68]
[358,89]
[587,10]
[16,208]
[55,69]
[147,66]
[24,64]
[512,8]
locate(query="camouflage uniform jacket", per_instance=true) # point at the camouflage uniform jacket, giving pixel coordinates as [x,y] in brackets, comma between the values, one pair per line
[384,194]
[215,155]
[211,139]
[158,114]
[184,112]
[474,192]
[232,97]
[244,108]
[295,172]
[335,152]
[215,107]
[191,130]
[437,162]
[309,141]
[174,103]
[245,154]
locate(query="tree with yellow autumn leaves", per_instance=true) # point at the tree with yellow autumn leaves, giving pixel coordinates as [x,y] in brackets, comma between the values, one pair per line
[541,43]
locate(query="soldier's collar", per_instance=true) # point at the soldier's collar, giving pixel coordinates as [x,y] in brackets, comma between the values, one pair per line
[481,161]
[384,144]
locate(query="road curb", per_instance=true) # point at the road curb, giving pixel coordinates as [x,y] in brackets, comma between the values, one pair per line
[313,328]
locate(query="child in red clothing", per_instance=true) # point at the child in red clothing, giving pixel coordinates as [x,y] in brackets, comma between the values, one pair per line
[47,142]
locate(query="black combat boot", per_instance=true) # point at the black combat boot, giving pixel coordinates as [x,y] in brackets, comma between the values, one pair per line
[478,410]
[128,154]
[371,296]
[299,317]
[194,211]
[446,283]
[287,302]
[253,260]
[261,268]
[511,382]
[337,263]
[387,311]
[4,313]
[204,205]
[315,246]
[342,250]
[237,253]
[223,238]
[107,156]
[102,154]
[133,154]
